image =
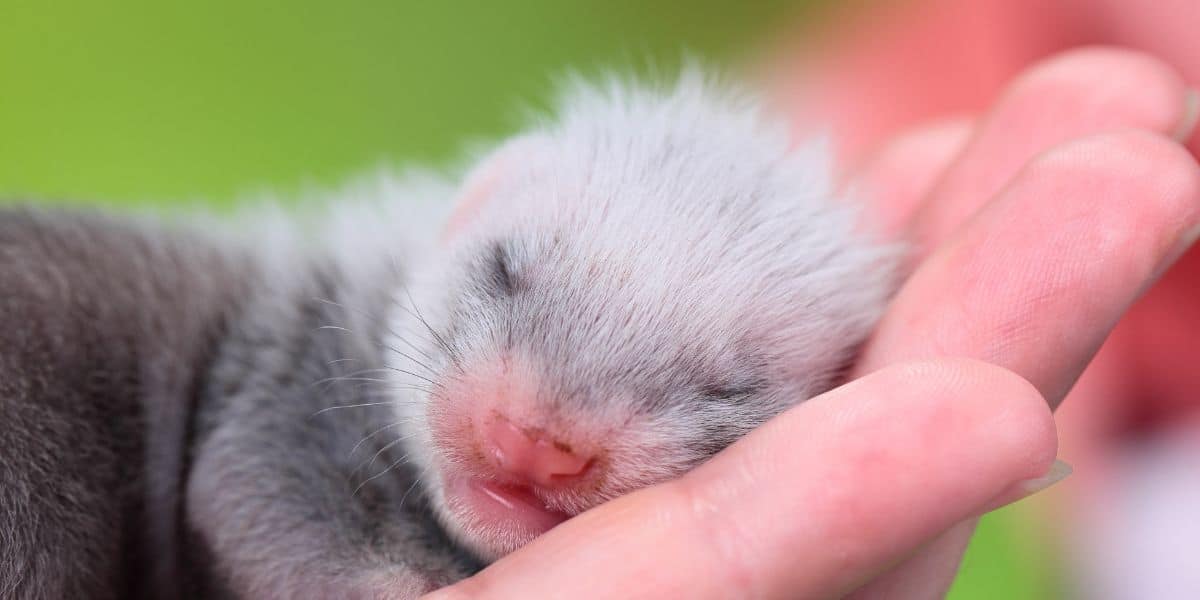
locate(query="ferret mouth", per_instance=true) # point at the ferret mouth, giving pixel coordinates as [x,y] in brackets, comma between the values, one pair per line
[498,517]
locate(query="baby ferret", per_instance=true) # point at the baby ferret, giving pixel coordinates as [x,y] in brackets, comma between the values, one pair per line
[372,404]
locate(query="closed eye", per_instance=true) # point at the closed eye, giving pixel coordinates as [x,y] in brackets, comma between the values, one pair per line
[499,274]
[730,392]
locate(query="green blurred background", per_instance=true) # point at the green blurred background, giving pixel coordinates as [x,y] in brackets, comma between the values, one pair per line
[141,104]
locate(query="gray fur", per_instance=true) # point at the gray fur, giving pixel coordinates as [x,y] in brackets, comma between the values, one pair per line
[189,414]
[106,334]
[162,433]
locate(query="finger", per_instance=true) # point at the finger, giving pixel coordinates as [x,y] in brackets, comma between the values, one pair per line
[1165,29]
[1038,278]
[1073,95]
[896,179]
[809,505]
[1036,281]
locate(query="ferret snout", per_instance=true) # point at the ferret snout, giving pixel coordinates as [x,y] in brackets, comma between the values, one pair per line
[532,456]
[501,423]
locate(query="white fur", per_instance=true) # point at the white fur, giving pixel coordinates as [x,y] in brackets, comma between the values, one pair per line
[666,237]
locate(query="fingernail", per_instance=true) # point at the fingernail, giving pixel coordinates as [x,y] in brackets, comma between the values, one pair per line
[1191,117]
[1023,489]
[1058,472]
[1182,245]
[1190,236]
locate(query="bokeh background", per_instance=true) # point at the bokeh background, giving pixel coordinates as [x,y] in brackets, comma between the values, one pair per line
[143,104]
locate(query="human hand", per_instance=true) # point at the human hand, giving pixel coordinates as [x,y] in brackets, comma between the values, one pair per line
[873,73]
[889,68]
[1076,189]
[1028,267]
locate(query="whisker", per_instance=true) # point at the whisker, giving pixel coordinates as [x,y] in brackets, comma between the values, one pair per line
[416,480]
[385,448]
[398,462]
[384,391]
[374,319]
[404,338]
[365,371]
[421,377]
[336,379]
[441,341]
[329,408]
[431,370]
[402,400]
[373,434]
[343,306]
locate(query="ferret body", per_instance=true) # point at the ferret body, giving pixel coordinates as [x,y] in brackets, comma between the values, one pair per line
[376,405]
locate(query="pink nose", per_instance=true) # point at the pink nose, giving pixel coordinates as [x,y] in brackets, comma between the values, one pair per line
[531,456]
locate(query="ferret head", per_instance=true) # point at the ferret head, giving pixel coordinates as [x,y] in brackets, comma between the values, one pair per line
[620,295]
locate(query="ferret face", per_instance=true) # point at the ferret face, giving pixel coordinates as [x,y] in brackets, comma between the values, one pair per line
[630,291]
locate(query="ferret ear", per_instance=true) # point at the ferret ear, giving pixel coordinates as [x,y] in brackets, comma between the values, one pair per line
[481,184]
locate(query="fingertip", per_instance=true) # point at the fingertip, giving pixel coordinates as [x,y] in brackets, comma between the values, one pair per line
[1076,94]
[1191,117]
[1005,412]
[1132,87]
[1129,153]
[950,375]
[960,373]
[1021,422]
[1015,416]
[1157,176]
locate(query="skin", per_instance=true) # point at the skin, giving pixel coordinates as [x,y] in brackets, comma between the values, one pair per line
[1029,269]
[1142,379]
[1142,382]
